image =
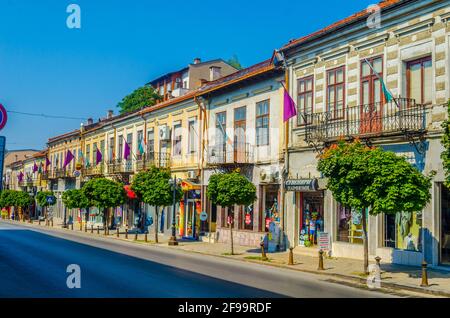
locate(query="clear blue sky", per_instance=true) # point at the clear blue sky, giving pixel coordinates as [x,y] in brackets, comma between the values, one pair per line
[46,67]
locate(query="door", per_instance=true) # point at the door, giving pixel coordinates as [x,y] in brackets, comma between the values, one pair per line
[239,134]
[189,219]
[445,225]
[371,108]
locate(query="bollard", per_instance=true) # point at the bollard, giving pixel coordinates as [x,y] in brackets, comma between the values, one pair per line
[377,260]
[85,227]
[145,238]
[320,268]
[98,229]
[117,232]
[92,228]
[291,256]
[81,226]
[105,232]
[136,236]
[263,252]
[51,223]
[39,221]
[424,275]
[126,234]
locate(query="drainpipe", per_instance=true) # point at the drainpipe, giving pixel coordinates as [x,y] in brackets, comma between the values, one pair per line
[285,171]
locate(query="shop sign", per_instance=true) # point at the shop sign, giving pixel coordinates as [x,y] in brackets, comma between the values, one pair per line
[203,216]
[301,185]
[248,219]
[229,219]
[323,240]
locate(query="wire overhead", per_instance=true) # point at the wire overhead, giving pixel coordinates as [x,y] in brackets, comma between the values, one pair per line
[45,115]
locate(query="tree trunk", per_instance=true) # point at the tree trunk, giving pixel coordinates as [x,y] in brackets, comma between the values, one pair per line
[156,224]
[231,230]
[105,213]
[365,242]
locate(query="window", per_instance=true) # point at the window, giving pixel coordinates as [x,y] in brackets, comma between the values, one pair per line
[371,89]
[151,141]
[305,99]
[140,144]
[94,154]
[193,137]
[221,126]
[177,138]
[389,231]
[350,228]
[269,210]
[262,123]
[120,150]
[419,80]
[111,149]
[245,217]
[88,155]
[130,144]
[335,92]
[240,125]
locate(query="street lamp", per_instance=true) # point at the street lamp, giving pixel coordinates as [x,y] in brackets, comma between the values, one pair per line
[173,238]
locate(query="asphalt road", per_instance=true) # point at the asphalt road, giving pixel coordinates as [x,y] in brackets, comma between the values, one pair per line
[33,263]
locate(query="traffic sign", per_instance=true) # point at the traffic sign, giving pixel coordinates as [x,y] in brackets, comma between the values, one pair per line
[3,117]
[203,216]
[51,199]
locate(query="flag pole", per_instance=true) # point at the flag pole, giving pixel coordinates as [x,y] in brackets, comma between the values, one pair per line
[382,82]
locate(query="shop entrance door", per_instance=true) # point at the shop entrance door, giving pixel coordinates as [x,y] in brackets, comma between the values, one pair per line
[189,219]
[445,225]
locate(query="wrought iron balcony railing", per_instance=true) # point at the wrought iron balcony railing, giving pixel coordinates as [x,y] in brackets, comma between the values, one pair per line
[96,170]
[157,159]
[238,153]
[398,116]
[120,166]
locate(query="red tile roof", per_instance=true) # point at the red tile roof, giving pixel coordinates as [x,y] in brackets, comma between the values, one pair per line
[361,14]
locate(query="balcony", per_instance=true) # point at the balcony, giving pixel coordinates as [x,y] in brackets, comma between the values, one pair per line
[400,116]
[157,159]
[96,170]
[237,154]
[120,166]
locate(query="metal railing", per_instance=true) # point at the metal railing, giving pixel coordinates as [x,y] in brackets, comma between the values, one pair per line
[157,159]
[120,166]
[96,170]
[238,153]
[399,115]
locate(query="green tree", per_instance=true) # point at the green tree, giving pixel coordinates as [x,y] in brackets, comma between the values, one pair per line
[234,61]
[142,97]
[104,194]
[76,199]
[154,188]
[22,200]
[228,190]
[41,198]
[371,179]
[7,198]
[445,156]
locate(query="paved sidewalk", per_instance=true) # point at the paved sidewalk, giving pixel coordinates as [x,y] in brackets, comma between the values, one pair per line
[392,276]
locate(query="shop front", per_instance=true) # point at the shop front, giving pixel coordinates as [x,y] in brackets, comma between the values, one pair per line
[190,223]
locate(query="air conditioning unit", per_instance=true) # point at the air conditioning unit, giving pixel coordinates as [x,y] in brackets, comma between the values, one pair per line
[164,133]
[192,175]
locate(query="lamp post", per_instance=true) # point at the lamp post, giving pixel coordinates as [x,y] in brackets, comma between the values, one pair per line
[65,214]
[173,238]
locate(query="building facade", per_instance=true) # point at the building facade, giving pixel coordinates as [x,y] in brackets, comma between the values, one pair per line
[334,74]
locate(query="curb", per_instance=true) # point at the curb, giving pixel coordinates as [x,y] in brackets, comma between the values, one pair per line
[354,281]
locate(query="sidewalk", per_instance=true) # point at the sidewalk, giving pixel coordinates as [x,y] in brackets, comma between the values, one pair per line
[392,276]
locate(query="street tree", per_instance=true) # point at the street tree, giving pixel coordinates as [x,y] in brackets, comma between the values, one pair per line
[7,199]
[104,194]
[228,190]
[22,201]
[142,97]
[445,156]
[371,180]
[154,188]
[76,199]
[41,198]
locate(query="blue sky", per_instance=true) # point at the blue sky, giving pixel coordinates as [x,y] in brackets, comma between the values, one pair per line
[48,68]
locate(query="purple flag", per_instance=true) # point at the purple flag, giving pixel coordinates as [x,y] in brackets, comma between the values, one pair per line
[20,176]
[99,157]
[126,151]
[290,110]
[69,158]
[35,167]
[47,163]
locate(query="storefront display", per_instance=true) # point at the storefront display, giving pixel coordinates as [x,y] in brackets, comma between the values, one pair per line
[311,217]
[270,208]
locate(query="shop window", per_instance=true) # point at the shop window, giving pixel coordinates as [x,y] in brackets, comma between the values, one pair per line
[389,231]
[350,227]
[311,217]
[245,217]
[409,231]
[270,207]
[226,215]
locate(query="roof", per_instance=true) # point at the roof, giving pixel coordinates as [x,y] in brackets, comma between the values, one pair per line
[353,18]
[235,77]
[64,136]
[189,95]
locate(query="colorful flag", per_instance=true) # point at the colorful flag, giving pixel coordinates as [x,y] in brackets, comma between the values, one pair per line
[20,176]
[47,162]
[228,139]
[40,168]
[126,151]
[386,93]
[35,167]
[141,148]
[290,110]
[68,159]
[98,157]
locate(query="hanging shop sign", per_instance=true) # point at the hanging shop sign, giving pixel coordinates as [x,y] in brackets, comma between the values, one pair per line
[203,216]
[301,185]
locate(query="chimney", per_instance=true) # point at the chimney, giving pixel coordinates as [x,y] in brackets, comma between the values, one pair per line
[197,60]
[214,72]
[203,81]
[110,114]
[90,121]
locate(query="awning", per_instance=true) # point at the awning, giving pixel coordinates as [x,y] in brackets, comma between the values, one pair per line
[189,186]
